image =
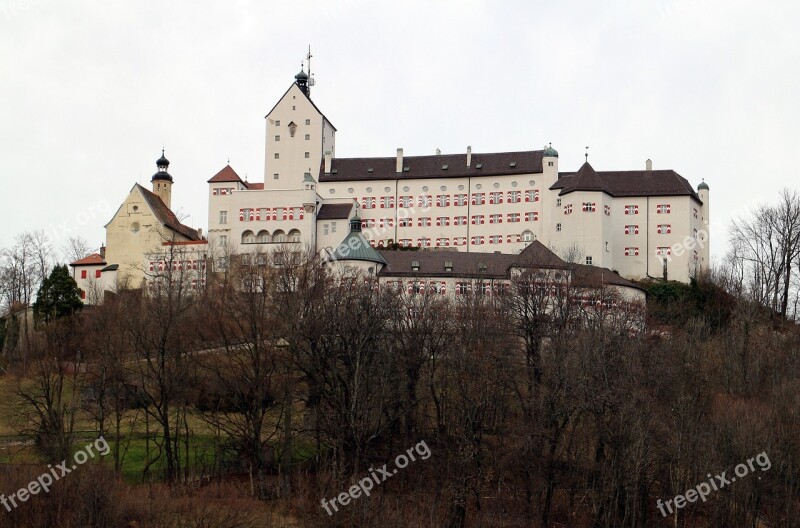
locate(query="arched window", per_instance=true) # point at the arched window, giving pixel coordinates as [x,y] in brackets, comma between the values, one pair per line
[263,237]
[279,236]
[527,236]
[248,237]
[294,235]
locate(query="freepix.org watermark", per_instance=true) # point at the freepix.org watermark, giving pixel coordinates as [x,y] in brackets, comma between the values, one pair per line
[45,480]
[716,483]
[378,476]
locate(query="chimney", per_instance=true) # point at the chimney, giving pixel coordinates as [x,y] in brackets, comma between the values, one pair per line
[648,165]
[399,167]
[200,232]
[102,251]
[327,162]
[469,156]
[438,152]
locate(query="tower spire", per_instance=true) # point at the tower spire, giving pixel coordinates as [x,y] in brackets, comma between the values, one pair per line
[310,76]
[587,154]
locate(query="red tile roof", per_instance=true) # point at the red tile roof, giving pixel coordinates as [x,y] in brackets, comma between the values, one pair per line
[166,216]
[227,174]
[437,166]
[254,186]
[92,260]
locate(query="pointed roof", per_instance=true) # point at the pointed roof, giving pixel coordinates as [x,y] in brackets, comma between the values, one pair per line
[356,247]
[632,183]
[294,84]
[91,260]
[227,174]
[166,216]
[586,179]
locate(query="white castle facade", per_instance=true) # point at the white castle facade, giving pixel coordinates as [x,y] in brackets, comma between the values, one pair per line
[636,222]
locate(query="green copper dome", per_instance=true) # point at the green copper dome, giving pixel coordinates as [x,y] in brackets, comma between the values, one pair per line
[703,186]
[550,152]
[356,247]
[302,76]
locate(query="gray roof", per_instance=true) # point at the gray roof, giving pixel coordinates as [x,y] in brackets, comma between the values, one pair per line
[335,211]
[496,265]
[437,166]
[625,183]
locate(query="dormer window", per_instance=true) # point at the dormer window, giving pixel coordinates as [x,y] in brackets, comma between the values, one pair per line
[482,267]
[448,265]
[414,265]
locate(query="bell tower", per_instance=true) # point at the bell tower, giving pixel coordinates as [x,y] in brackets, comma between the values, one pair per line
[162,181]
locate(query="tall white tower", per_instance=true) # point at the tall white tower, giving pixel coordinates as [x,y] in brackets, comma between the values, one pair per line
[298,136]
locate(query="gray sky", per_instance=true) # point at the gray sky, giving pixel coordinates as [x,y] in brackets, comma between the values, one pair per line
[89,92]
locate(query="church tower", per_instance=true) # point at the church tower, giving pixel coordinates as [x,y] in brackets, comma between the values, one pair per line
[298,137]
[162,181]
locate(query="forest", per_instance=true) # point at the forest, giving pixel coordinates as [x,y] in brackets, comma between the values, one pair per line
[283,384]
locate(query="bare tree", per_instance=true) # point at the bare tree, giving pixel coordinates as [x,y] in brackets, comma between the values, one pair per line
[75,248]
[768,247]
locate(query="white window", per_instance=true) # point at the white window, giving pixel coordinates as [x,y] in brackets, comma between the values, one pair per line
[513,196]
[588,261]
[527,236]
[308,121]
[308,154]
[532,195]
[333,227]
[558,226]
[223,240]
[325,228]
[277,156]
[558,202]
[663,209]
[631,229]
[278,122]
[308,137]
[275,176]
[277,138]
[664,229]
[223,217]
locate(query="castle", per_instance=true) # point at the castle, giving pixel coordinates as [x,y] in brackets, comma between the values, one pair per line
[638,223]
[631,221]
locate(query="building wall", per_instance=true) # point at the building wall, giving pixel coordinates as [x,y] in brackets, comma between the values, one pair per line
[299,153]
[289,217]
[132,232]
[481,233]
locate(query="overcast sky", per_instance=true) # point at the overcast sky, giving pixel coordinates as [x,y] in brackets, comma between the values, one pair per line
[90,91]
